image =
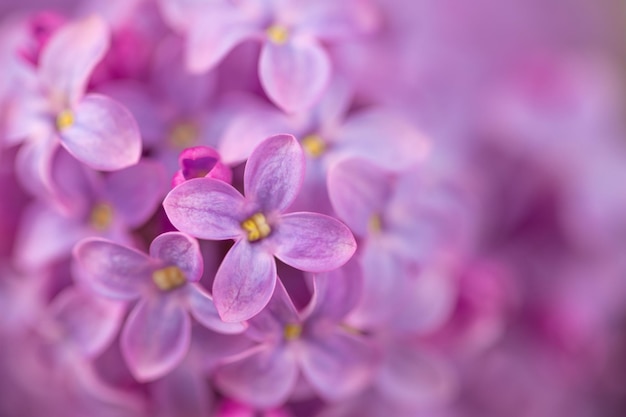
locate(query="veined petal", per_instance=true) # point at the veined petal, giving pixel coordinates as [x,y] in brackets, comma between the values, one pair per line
[87,321]
[112,270]
[274,173]
[206,208]
[263,379]
[359,191]
[337,365]
[156,337]
[70,56]
[181,250]
[244,283]
[135,192]
[203,309]
[104,135]
[313,242]
[294,74]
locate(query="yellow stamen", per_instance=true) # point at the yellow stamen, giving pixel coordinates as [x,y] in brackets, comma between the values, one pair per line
[277,34]
[292,331]
[257,227]
[101,216]
[314,145]
[184,135]
[65,119]
[375,224]
[168,278]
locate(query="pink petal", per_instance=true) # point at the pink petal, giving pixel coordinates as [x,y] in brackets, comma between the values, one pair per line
[294,74]
[383,138]
[203,309]
[181,250]
[270,323]
[336,292]
[244,283]
[104,135]
[70,56]
[184,392]
[358,191]
[33,164]
[112,270]
[135,192]
[206,208]
[88,322]
[313,242]
[274,173]
[413,377]
[213,34]
[156,337]
[263,379]
[337,365]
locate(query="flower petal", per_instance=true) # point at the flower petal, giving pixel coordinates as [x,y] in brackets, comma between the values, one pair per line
[70,56]
[213,34]
[263,379]
[206,208]
[88,322]
[104,135]
[294,74]
[274,173]
[359,190]
[135,192]
[181,250]
[112,270]
[336,292]
[184,392]
[337,365]
[414,377]
[270,323]
[244,283]
[156,337]
[203,309]
[313,242]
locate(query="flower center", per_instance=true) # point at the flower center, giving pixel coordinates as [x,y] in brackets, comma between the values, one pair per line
[256,227]
[168,278]
[375,224]
[277,34]
[183,135]
[292,331]
[65,119]
[101,216]
[314,145]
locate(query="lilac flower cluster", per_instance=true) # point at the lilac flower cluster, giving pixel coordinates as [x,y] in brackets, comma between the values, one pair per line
[311,208]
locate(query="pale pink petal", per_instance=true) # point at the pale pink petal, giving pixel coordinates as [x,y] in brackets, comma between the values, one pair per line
[70,56]
[413,377]
[359,191]
[206,208]
[203,309]
[184,392]
[113,270]
[338,364]
[270,323]
[274,173]
[244,283]
[294,74]
[88,322]
[263,379]
[313,242]
[181,250]
[156,337]
[104,135]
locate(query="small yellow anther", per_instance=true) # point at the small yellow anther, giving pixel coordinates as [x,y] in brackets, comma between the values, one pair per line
[257,227]
[101,216]
[277,34]
[65,119]
[184,135]
[292,331]
[314,145]
[168,278]
[375,224]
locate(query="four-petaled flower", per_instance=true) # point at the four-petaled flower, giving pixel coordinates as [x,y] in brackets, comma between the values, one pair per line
[211,209]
